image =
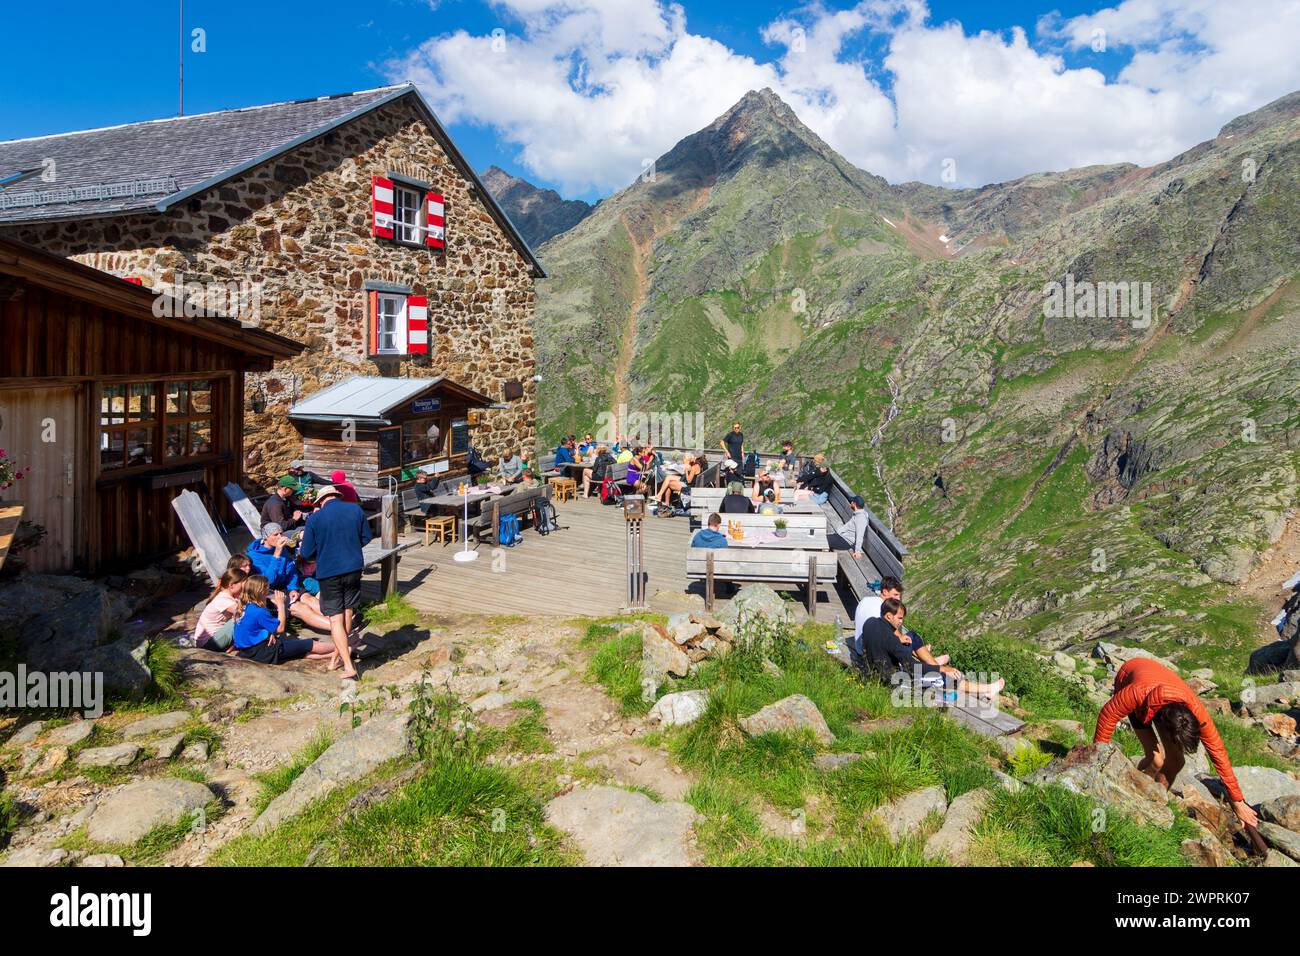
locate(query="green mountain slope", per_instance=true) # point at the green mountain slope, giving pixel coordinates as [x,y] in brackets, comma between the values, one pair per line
[1065,477]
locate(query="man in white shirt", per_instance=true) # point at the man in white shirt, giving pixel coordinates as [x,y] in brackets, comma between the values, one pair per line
[869,606]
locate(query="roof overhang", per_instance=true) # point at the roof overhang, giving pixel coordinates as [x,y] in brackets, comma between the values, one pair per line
[102,288]
[382,416]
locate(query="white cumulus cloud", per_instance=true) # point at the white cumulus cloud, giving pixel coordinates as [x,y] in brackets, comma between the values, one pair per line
[585,91]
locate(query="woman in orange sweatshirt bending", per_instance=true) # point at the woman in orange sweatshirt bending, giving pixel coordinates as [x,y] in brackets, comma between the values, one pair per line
[1158,702]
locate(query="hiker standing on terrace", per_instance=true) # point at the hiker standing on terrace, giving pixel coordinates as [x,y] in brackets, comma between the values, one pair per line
[335,535]
[733,443]
[1170,720]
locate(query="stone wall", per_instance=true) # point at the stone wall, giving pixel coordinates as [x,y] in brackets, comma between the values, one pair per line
[298,229]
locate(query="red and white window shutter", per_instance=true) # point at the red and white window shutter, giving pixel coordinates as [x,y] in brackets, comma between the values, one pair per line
[417,325]
[381,207]
[435,210]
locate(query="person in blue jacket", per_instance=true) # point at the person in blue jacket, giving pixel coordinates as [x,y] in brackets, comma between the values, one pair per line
[272,557]
[712,536]
[259,634]
[334,538]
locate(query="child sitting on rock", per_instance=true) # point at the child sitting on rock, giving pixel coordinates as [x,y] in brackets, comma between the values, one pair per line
[216,625]
[258,632]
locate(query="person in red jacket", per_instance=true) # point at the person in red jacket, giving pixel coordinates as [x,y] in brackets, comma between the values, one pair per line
[1169,720]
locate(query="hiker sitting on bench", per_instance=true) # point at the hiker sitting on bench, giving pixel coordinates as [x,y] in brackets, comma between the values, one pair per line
[854,530]
[258,634]
[712,536]
[303,478]
[889,651]
[279,507]
[1169,720]
[596,473]
[273,559]
[735,502]
[869,607]
[511,468]
[425,490]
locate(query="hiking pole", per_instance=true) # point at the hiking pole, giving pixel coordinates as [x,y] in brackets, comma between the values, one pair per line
[1258,845]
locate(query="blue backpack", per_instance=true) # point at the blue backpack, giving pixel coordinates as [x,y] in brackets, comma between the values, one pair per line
[508,534]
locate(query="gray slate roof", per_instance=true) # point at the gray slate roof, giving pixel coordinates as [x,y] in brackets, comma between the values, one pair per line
[183,151]
[367,398]
[158,163]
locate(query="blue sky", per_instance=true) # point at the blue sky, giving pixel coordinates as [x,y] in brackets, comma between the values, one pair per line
[584,90]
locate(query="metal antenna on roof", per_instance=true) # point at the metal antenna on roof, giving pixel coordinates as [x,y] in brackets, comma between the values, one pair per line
[180,60]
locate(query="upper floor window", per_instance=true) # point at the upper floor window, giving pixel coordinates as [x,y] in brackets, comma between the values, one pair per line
[407,213]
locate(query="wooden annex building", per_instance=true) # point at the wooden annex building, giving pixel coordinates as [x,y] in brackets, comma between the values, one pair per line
[115,409]
[381,430]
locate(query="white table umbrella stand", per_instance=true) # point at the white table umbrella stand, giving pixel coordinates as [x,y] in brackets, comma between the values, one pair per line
[466,554]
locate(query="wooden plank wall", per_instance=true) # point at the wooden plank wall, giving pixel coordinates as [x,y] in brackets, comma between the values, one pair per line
[52,338]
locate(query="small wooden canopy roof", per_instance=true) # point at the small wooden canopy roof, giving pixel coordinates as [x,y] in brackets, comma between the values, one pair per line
[367,399]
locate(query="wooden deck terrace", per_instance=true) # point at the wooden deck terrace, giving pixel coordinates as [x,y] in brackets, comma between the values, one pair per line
[578,571]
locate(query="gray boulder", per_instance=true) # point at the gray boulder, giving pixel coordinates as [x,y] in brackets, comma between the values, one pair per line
[952,841]
[25,735]
[117,755]
[1284,811]
[130,812]
[123,664]
[70,734]
[1103,773]
[351,757]
[1280,838]
[156,724]
[791,714]
[1270,695]
[905,815]
[660,656]
[1258,784]
[616,827]
[36,856]
[674,710]
[828,762]
[760,600]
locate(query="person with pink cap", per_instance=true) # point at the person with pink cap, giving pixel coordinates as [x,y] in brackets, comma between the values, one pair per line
[347,491]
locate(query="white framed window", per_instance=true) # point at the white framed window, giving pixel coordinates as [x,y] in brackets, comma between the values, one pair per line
[390,324]
[407,203]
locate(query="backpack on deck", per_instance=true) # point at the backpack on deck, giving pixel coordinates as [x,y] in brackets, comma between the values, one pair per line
[508,533]
[544,517]
[610,492]
[750,467]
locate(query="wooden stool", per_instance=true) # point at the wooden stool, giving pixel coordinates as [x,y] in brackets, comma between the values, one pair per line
[565,488]
[440,526]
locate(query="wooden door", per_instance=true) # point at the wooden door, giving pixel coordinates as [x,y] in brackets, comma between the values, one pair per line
[40,429]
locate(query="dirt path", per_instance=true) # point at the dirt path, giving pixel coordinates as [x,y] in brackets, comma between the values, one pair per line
[627,343]
[1276,565]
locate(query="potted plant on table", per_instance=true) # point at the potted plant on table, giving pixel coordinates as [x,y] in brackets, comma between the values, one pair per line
[779,525]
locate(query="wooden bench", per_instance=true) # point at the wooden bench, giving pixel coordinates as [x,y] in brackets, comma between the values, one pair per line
[984,718]
[488,522]
[809,569]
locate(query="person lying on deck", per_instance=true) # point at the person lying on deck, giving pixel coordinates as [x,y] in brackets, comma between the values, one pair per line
[1170,721]
[258,634]
[216,625]
[735,501]
[279,507]
[888,650]
[855,529]
[712,536]
[272,558]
